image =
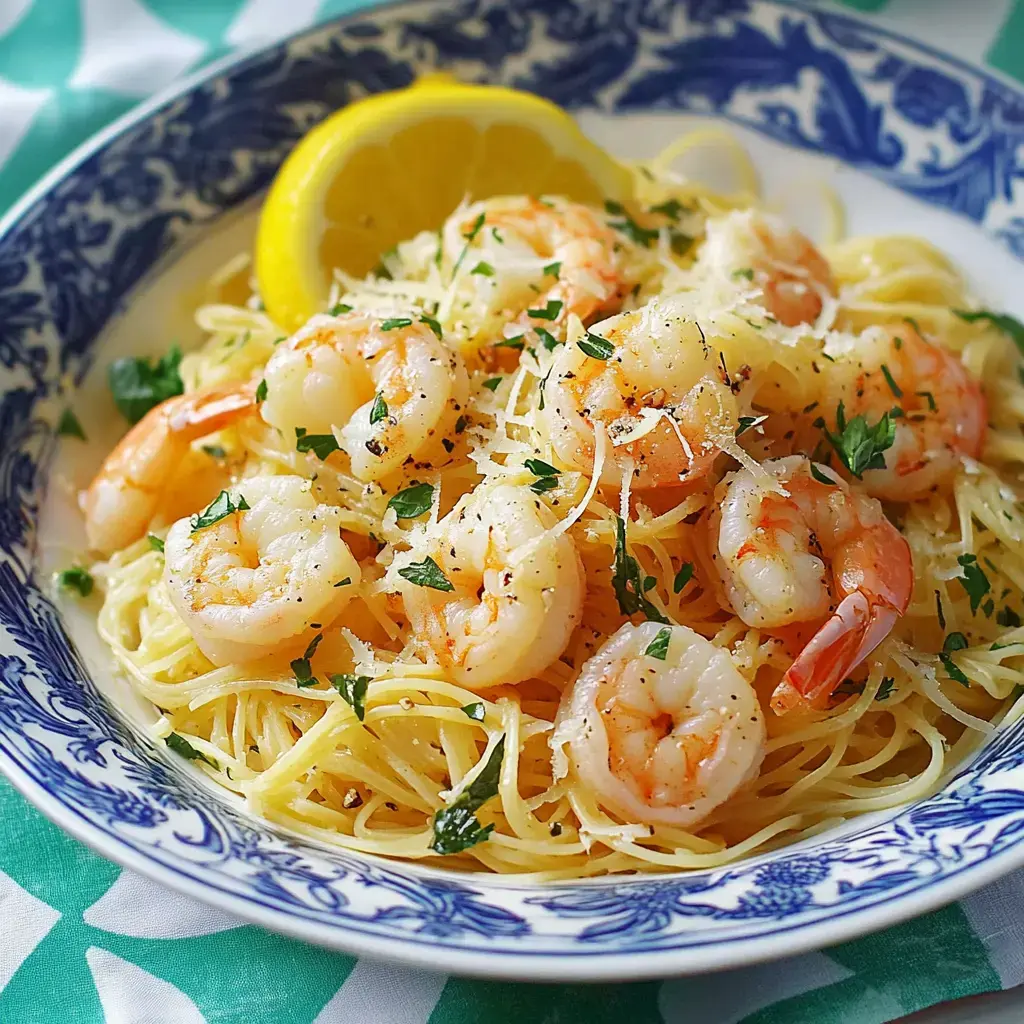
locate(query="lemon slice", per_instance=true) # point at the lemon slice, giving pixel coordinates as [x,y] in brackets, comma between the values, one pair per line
[388,166]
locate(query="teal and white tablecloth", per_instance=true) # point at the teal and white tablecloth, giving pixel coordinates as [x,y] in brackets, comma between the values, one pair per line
[84,942]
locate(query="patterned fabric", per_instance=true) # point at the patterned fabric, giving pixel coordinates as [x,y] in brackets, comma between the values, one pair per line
[83,941]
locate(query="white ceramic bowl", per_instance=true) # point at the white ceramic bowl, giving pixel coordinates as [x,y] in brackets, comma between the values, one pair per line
[913,140]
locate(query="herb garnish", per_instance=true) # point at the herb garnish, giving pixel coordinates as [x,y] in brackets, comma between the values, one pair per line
[629,582]
[353,690]
[492,383]
[183,748]
[456,827]
[885,687]
[138,386]
[220,508]
[300,666]
[476,711]
[973,580]
[547,475]
[658,647]
[433,324]
[549,341]
[893,386]
[379,409]
[426,574]
[413,501]
[483,269]
[261,391]
[954,642]
[550,311]
[629,227]
[1003,321]
[155,542]
[76,578]
[339,308]
[469,236]
[321,445]
[682,577]
[552,269]
[395,323]
[68,426]
[858,445]
[746,422]
[596,347]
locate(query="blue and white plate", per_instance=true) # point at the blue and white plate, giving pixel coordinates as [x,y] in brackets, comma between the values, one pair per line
[913,140]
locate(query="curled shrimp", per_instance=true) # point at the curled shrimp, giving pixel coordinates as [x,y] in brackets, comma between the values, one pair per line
[775,265]
[660,385]
[802,548]
[549,254]
[128,491]
[264,580]
[938,409]
[516,592]
[662,739]
[387,389]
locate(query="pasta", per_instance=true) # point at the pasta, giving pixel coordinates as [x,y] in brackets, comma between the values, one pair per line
[382,716]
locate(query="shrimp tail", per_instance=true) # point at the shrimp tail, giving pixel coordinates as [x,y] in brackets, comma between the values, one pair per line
[856,628]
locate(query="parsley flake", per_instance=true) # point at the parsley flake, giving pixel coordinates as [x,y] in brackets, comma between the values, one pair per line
[395,323]
[68,426]
[552,269]
[483,269]
[744,273]
[893,386]
[379,409]
[220,508]
[954,642]
[456,827]
[858,445]
[671,208]
[682,577]
[513,342]
[492,383]
[155,542]
[1009,325]
[596,347]
[76,578]
[183,748]
[550,311]
[629,227]
[413,501]
[138,386]
[549,341]
[1008,618]
[353,690]
[628,580]
[321,445]
[476,711]
[658,647]
[973,580]
[261,391]
[300,666]
[433,324]
[339,308]
[426,574]
[746,422]
[345,582]
[885,688]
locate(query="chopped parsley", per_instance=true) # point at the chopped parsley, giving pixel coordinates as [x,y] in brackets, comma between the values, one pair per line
[893,386]
[345,582]
[658,647]
[973,580]
[954,642]
[426,574]
[671,208]
[215,451]
[155,542]
[746,422]
[76,578]
[395,323]
[353,690]
[629,227]
[513,342]
[885,688]
[744,273]
[547,476]
[138,386]
[379,409]
[553,269]
[456,827]
[492,383]
[1008,618]
[682,577]
[413,501]
[548,340]
[483,269]
[469,236]
[68,426]
[596,347]
[629,582]
[932,407]
[550,311]
[261,391]
[340,308]
[300,666]
[1009,325]
[220,508]
[183,748]
[476,711]
[460,424]
[858,445]
[433,324]
[321,445]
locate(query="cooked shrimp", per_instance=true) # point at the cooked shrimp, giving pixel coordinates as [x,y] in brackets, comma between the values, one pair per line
[776,265]
[542,254]
[127,492]
[662,740]
[941,410]
[662,384]
[263,580]
[516,593]
[799,551]
[387,389]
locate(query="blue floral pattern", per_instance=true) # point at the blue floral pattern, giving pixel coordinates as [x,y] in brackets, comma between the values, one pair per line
[921,122]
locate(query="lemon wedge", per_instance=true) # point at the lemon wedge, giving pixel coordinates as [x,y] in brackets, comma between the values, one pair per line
[389,166]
